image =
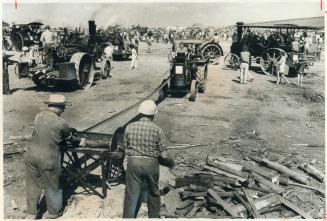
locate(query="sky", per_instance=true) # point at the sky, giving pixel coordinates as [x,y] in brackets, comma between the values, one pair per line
[159,14]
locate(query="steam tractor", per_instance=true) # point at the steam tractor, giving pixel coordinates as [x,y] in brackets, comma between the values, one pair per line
[69,62]
[188,72]
[25,35]
[266,49]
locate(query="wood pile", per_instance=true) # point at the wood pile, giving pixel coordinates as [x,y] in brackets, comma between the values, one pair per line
[251,188]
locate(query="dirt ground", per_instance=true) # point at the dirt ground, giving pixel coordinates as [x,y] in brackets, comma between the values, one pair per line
[231,119]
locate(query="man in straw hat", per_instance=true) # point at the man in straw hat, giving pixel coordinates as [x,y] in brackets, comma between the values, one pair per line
[43,157]
[145,148]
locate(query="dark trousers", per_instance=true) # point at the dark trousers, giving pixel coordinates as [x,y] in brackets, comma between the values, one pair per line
[37,178]
[5,78]
[142,172]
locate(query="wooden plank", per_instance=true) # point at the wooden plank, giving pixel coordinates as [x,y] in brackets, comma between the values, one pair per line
[245,204]
[221,172]
[228,169]
[185,203]
[295,208]
[184,211]
[203,180]
[223,204]
[196,207]
[253,210]
[314,172]
[308,187]
[273,177]
[234,166]
[266,182]
[283,169]
[268,200]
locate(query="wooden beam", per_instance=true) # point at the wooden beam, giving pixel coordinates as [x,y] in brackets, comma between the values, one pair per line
[228,169]
[266,201]
[245,204]
[221,172]
[223,204]
[266,182]
[273,177]
[254,210]
[311,170]
[283,169]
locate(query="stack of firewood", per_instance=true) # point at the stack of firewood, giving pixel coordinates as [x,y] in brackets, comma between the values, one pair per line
[249,189]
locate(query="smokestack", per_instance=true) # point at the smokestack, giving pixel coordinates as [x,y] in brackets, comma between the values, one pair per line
[92,32]
[239,31]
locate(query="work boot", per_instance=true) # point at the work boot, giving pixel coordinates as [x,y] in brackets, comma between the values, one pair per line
[47,215]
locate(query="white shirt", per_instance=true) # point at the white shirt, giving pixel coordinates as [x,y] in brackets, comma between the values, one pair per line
[282,62]
[47,37]
[108,52]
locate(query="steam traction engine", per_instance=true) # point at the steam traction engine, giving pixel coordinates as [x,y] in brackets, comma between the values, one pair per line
[267,49]
[68,62]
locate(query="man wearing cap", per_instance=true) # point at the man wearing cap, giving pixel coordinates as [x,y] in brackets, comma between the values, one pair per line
[145,147]
[43,158]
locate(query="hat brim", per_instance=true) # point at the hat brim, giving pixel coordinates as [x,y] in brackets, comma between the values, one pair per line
[63,103]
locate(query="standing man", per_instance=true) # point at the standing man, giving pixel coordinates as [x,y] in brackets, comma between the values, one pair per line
[280,69]
[5,73]
[245,57]
[148,41]
[295,45]
[43,158]
[145,147]
[47,39]
[134,57]
[108,52]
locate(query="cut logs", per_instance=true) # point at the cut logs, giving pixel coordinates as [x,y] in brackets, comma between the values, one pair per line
[283,169]
[311,170]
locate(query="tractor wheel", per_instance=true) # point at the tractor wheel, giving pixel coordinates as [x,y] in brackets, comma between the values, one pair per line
[232,61]
[17,41]
[311,60]
[105,68]
[84,69]
[115,166]
[193,91]
[269,58]
[211,51]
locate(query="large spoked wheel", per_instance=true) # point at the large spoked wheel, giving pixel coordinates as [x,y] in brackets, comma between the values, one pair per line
[193,91]
[84,69]
[211,51]
[232,61]
[105,68]
[114,166]
[269,60]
